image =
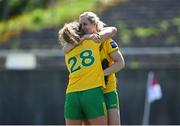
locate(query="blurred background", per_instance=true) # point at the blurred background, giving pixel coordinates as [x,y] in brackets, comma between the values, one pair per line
[33,76]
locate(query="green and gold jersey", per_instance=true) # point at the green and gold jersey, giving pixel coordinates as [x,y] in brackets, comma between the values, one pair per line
[84,66]
[106,48]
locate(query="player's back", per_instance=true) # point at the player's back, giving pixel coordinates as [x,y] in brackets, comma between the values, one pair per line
[84,66]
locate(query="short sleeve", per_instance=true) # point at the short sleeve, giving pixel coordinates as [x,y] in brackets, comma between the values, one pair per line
[112,46]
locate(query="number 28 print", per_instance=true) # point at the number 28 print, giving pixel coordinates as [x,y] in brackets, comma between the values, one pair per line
[86,59]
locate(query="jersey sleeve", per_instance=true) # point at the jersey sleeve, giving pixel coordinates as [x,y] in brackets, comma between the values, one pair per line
[112,46]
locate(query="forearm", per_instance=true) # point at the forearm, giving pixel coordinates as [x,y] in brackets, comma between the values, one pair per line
[68,47]
[117,66]
[107,32]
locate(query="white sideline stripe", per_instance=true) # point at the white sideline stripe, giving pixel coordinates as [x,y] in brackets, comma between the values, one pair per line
[125,51]
[151,51]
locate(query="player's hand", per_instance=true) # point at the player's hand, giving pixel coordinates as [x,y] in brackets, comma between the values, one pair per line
[94,37]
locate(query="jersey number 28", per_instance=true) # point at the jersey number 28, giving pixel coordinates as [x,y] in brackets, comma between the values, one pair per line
[86,59]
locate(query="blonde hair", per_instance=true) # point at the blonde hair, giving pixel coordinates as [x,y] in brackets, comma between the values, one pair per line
[69,33]
[93,18]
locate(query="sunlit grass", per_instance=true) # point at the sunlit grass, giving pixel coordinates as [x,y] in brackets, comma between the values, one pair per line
[39,19]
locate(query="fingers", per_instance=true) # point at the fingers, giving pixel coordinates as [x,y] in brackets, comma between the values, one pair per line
[95,37]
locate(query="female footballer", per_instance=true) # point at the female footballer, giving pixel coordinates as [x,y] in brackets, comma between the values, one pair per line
[84,95]
[112,62]
[111,58]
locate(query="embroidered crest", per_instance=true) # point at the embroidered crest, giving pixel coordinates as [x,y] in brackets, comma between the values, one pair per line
[113,44]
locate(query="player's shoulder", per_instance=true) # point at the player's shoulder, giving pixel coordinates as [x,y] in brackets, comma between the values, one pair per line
[111,42]
[108,40]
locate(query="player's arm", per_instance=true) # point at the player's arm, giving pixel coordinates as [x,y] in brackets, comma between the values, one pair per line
[105,33]
[68,47]
[119,63]
[93,37]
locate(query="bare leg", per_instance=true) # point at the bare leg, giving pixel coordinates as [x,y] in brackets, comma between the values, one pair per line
[86,122]
[102,120]
[114,116]
[73,122]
